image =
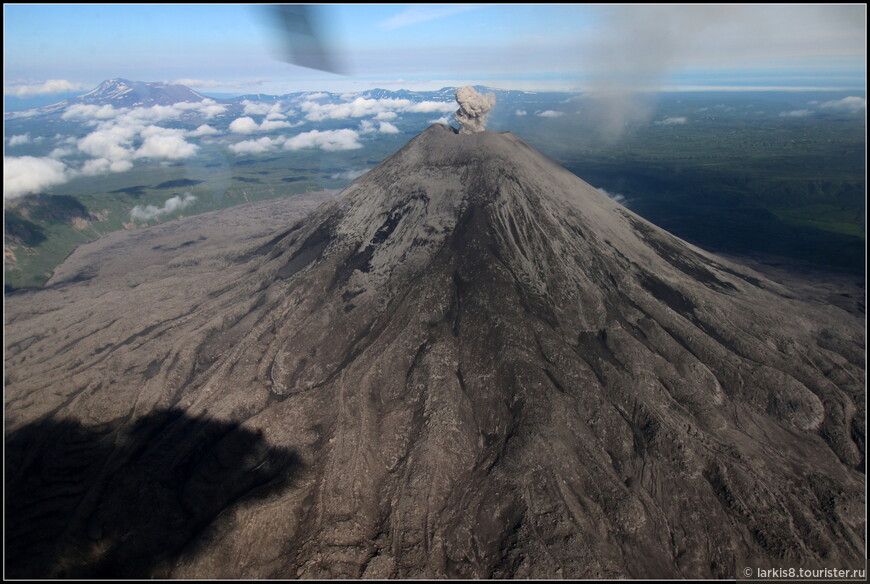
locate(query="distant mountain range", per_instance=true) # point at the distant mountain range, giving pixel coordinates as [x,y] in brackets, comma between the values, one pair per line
[123,93]
[118,93]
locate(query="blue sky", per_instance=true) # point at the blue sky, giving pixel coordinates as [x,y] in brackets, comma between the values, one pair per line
[234,48]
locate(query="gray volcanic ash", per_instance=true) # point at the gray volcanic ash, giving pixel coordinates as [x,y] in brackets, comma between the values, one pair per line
[473,109]
[471,363]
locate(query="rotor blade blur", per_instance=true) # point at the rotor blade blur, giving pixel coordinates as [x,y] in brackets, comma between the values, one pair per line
[304,39]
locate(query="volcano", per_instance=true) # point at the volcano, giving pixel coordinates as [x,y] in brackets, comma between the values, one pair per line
[118,93]
[470,363]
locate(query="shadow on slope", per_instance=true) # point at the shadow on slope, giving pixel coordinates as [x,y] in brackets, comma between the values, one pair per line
[123,502]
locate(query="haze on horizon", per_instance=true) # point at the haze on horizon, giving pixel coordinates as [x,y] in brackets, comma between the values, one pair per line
[234,49]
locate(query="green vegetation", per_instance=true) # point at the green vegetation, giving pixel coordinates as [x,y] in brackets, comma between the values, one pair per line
[732,182]
[41,231]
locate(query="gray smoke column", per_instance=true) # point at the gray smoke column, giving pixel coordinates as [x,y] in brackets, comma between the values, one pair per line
[473,107]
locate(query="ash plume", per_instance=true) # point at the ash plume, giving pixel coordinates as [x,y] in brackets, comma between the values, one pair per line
[473,107]
[636,50]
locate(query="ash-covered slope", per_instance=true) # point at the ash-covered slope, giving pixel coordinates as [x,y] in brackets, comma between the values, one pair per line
[470,364]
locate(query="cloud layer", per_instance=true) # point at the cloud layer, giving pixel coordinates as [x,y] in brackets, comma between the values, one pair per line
[360,107]
[44,88]
[247,125]
[23,175]
[852,105]
[123,135]
[672,121]
[120,137]
[329,140]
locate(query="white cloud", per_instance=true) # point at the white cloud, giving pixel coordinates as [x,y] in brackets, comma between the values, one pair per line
[19,140]
[441,120]
[330,140]
[264,144]
[244,125]
[386,116]
[349,174]
[104,166]
[113,142]
[550,114]
[207,107]
[61,152]
[259,108]
[428,107]
[211,110]
[795,114]
[203,130]
[164,143]
[847,105]
[615,196]
[852,105]
[253,108]
[520,112]
[388,128]
[247,125]
[81,111]
[672,121]
[149,212]
[367,127]
[269,125]
[27,174]
[153,130]
[45,88]
[124,135]
[359,107]
[155,113]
